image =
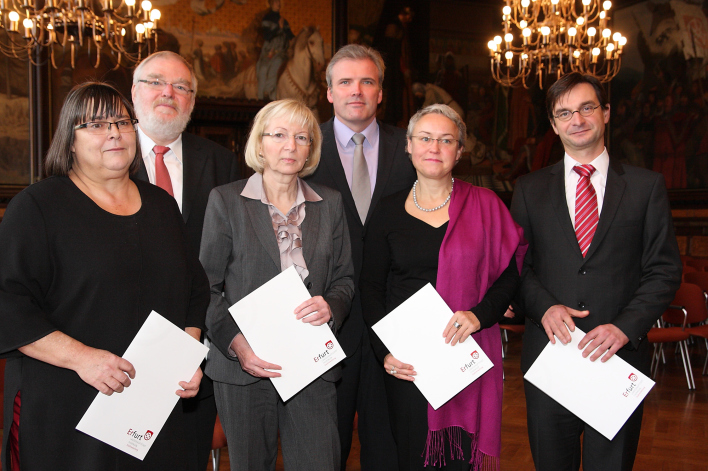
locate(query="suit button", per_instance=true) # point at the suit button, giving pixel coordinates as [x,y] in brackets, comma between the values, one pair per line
[309,285]
[581,306]
[583,271]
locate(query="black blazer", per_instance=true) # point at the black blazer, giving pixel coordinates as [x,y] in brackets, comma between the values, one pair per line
[205,165]
[395,172]
[632,268]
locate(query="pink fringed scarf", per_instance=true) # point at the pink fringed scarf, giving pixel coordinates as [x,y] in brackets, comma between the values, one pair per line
[480,240]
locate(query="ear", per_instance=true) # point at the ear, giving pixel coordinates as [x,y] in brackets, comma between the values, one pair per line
[606,114]
[409,145]
[331,100]
[380,96]
[132,92]
[553,124]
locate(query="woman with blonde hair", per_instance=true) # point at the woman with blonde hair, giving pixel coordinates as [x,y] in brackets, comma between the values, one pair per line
[253,230]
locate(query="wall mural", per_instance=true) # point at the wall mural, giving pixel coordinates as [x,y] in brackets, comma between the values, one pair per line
[659,113]
[14,123]
[250,49]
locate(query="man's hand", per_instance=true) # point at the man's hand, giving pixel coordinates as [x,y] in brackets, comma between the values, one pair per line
[558,321]
[605,340]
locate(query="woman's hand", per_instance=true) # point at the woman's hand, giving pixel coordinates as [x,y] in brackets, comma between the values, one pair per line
[461,325]
[250,363]
[315,311]
[399,369]
[103,370]
[191,388]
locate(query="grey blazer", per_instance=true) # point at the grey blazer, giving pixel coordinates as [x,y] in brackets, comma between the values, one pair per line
[239,253]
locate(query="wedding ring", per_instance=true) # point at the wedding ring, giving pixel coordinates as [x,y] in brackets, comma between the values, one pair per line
[457,325]
[393,370]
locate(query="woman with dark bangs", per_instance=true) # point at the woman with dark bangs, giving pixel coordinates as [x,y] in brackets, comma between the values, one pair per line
[85,255]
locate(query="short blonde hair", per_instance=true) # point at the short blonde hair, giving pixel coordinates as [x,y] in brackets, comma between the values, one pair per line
[295,112]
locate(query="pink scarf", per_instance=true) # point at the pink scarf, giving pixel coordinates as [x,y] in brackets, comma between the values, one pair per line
[480,241]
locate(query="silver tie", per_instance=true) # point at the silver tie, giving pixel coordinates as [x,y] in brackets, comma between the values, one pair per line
[361,185]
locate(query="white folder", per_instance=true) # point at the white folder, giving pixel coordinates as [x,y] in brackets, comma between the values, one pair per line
[413,334]
[162,355]
[603,395]
[266,318]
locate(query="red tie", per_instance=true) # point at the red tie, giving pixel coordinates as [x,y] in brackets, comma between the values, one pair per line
[586,216]
[162,176]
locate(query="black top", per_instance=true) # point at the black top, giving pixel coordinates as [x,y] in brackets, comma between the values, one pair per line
[68,265]
[401,256]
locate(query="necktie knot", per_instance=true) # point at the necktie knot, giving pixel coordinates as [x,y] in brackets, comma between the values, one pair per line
[160,150]
[584,170]
[358,139]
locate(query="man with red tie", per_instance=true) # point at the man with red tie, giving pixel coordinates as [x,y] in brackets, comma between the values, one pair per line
[187,167]
[603,257]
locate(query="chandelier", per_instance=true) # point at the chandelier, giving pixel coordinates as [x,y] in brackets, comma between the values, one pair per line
[546,39]
[117,27]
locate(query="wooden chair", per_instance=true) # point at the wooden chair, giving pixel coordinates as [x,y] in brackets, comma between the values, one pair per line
[218,441]
[688,307]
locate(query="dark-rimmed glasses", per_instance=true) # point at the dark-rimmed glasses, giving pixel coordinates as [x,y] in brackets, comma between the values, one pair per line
[104,127]
[585,111]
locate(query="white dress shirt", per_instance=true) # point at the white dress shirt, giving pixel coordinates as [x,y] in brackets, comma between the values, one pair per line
[173,162]
[345,145]
[598,180]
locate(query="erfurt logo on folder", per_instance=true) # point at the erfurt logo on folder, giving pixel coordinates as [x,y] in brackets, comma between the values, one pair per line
[136,435]
[633,388]
[475,354]
[329,345]
[148,435]
[633,377]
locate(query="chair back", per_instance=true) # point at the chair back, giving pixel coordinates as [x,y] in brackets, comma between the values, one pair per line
[698,263]
[699,278]
[689,269]
[692,298]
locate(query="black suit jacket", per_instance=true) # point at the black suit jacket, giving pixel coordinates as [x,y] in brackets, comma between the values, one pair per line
[205,165]
[395,172]
[632,268]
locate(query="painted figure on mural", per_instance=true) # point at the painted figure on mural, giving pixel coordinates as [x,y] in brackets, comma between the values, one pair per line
[276,35]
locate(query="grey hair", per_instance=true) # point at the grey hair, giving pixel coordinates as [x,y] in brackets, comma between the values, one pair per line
[357,52]
[137,73]
[444,110]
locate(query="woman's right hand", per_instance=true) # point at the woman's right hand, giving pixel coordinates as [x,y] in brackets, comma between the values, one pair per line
[250,363]
[399,369]
[103,370]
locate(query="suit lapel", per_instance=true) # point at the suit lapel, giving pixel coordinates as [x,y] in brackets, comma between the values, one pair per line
[614,189]
[387,149]
[332,163]
[193,161]
[560,206]
[262,224]
[310,230]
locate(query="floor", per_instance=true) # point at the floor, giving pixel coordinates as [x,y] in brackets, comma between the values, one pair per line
[674,430]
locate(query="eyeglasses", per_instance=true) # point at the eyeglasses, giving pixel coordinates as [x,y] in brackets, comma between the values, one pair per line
[104,127]
[586,111]
[159,85]
[281,137]
[426,141]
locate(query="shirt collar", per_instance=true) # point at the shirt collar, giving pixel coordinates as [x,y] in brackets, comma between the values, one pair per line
[146,144]
[344,135]
[601,164]
[254,190]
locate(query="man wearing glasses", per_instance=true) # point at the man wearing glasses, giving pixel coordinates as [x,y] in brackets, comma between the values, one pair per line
[364,160]
[187,167]
[603,257]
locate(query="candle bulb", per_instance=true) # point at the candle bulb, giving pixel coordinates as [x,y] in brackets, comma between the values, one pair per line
[28,24]
[14,18]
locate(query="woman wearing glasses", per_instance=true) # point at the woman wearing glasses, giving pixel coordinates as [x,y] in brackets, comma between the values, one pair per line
[253,230]
[462,240]
[85,255]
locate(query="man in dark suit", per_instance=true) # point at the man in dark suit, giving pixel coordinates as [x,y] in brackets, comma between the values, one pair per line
[603,257]
[188,167]
[354,87]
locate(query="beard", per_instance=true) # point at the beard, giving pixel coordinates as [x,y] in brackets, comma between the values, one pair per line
[158,124]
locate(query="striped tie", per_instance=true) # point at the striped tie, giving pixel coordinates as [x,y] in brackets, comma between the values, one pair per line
[586,216]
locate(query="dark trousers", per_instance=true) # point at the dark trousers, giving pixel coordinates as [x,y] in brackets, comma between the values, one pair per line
[361,390]
[554,435]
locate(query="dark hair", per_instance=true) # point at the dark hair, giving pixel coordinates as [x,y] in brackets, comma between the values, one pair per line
[85,102]
[566,83]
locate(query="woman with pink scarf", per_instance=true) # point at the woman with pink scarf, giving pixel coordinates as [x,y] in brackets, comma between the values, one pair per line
[462,240]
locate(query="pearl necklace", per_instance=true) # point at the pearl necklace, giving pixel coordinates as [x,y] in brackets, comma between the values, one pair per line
[415,200]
